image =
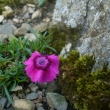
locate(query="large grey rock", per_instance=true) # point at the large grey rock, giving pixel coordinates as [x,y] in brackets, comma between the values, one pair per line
[70,12]
[5,29]
[56,101]
[23,104]
[93,17]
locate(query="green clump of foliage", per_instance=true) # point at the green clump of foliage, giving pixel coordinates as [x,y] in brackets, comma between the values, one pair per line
[60,37]
[12,3]
[12,55]
[86,90]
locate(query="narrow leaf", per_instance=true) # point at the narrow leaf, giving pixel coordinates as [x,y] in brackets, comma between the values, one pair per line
[7,94]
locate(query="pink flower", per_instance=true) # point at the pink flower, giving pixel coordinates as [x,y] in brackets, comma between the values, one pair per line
[42,68]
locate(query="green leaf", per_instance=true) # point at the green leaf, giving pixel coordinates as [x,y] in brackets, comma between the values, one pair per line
[41,2]
[51,48]
[13,86]
[1,84]
[7,94]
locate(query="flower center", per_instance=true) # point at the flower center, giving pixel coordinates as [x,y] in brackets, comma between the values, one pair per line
[42,62]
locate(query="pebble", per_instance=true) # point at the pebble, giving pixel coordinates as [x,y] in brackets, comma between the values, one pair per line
[32,96]
[33,87]
[1,18]
[23,104]
[37,14]
[40,108]
[3,101]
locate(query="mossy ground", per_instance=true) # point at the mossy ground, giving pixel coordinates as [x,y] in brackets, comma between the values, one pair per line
[86,90]
[12,3]
[61,37]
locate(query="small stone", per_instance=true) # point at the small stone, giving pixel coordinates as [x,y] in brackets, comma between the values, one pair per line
[3,102]
[41,27]
[31,37]
[8,104]
[32,86]
[32,96]
[25,9]
[39,105]
[1,18]
[30,10]
[23,104]
[7,8]
[14,97]
[56,101]
[10,108]
[40,108]
[27,26]
[31,5]
[5,29]
[20,21]
[42,86]
[15,20]
[37,14]
[27,91]
[7,13]
[26,15]
[47,20]
[20,31]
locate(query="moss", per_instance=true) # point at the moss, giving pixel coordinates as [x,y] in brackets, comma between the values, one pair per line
[86,90]
[12,3]
[60,37]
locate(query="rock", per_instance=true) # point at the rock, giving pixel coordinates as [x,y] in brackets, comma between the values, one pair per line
[64,52]
[70,12]
[30,36]
[26,15]
[14,28]
[20,31]
[18,88]
[40,108]
[10,108]
[23,104]
[32,96]
[7,8]
[41,27]
[25,9]
[8,104]
[33,87]
[7,13]
[3,102]
[56,101]
[1,18]
[52,86]
[15,20]
[31,10]
[27,26]
[47,20]
[37,14]
[31,5]
[5,29]
[1,107]
[42,86]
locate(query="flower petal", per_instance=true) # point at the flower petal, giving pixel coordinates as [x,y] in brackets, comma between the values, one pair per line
[55,63]
[30,60]
[54,59]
